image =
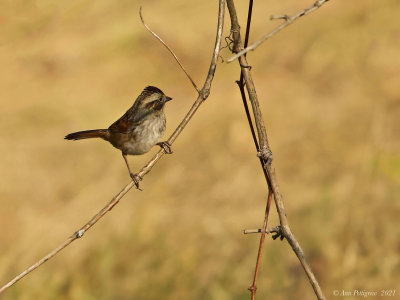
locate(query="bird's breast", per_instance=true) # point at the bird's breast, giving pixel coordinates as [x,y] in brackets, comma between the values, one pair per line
[145,135]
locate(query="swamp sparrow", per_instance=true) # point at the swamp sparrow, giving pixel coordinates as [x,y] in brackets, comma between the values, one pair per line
[138,130]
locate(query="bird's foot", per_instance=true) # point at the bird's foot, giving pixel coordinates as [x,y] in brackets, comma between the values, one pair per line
[166,146]
[136,178]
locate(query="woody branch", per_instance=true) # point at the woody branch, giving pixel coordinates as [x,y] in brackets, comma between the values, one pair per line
[266,154]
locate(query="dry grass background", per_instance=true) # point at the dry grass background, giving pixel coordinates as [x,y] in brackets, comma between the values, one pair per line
[329,88]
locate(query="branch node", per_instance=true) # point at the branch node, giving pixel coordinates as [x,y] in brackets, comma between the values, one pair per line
[252,289]
[239,83]
[319,3]
[245,66]
[204,93]
[266,155]
[80,233]
[278,233]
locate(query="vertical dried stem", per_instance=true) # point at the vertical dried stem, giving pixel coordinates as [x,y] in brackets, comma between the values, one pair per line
[265,151]
[253,287]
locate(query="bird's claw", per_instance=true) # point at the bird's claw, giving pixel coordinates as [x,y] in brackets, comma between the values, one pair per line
[166,146]
[136,178]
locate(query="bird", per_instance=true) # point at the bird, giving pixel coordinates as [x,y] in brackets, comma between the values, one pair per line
[138,130]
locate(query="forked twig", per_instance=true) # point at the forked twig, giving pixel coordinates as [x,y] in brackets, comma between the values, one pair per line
[169,49]
[266,154]
[263,231]
[203,94]
[288,20]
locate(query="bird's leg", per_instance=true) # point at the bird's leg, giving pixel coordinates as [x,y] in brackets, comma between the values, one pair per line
[135,177]
[166,146]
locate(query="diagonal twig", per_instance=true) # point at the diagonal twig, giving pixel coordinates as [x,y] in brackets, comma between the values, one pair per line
[169,49]
[289,20]
[76,235]
[203,94]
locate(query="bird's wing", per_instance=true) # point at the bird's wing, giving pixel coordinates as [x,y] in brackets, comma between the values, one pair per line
[134,115]
[129,121]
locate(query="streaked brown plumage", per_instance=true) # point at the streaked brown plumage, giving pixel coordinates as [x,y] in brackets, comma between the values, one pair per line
[138,130]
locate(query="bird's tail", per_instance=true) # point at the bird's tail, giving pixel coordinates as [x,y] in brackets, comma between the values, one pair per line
[88,134]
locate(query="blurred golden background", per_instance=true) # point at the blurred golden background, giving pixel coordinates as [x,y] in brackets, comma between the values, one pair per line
[330,94]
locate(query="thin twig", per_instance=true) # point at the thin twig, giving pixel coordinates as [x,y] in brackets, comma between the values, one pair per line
[266,231]
[253,287]
[266,153]
[203,94]
[289,20]
[169,49]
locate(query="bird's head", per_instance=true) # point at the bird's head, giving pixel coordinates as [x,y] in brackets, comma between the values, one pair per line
[152,98]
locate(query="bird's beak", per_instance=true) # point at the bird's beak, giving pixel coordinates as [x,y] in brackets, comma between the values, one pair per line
[167,99]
